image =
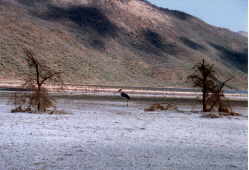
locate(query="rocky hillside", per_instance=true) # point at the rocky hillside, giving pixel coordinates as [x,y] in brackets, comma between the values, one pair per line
[116,42]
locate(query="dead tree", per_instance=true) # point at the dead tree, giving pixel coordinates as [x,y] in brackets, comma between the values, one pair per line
[217,98]
[39,74]
[203,77]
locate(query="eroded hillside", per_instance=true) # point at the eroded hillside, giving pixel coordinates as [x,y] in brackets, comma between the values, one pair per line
[116,42]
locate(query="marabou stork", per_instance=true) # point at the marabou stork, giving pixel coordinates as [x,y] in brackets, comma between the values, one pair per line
[124,95]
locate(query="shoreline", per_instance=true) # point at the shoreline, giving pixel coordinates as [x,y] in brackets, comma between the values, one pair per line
[142,93]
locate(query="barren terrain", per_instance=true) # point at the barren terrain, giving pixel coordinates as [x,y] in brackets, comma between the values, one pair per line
[105,134]
[116,42]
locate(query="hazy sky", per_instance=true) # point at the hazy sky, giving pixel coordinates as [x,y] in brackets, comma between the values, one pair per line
[230,14]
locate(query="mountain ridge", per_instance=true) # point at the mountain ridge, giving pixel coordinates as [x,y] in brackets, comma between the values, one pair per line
[243,33]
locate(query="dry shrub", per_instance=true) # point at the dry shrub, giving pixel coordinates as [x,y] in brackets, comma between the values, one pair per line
[21,102]
[220,105]
[229,114]
[220,114]
[213,98]
[217,102]
[28,102]
[41,98]
[154,107]
[21,109]
[212,115]
[35,79]
[161,107]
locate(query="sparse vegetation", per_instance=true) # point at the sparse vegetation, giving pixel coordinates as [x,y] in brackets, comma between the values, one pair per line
[39,74]
[213,98]
[161,107]
[203,77]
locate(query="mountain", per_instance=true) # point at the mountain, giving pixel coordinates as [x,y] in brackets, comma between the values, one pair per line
[243,33]
[116,42]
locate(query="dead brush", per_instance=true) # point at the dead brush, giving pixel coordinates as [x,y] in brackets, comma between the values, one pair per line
[38,100]
[219,106]
[154,107]
[20,101]
[42,99]
[213,98]
[220,114]
[212,115]
[217,102]
[161,107]
[28,102]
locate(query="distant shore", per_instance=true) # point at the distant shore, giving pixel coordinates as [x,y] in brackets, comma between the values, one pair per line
[137,93]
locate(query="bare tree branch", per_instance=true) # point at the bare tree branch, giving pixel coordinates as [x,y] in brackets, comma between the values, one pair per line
[38,75]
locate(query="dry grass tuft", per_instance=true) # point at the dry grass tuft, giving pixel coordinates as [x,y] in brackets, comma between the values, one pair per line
[230,114]
[27,102]
[20,109]
[212,115]
[220,115]
[161,107]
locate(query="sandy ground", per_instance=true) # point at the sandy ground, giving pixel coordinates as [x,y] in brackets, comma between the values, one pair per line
[108,135]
